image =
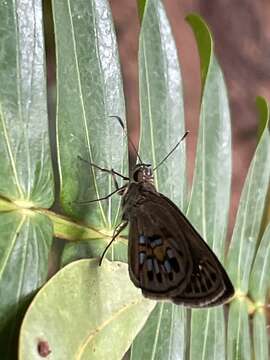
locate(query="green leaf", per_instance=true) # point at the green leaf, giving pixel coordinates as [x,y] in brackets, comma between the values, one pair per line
[24,246]
[163,336]
[209,202]
[249,216]
[25,162]
[210,195]
[94,248]
[161,103]
[263,110]
[89,92]
[207,334]
[162,117]
[204,43]
[238,336]
[141,7]
[95,315]
[260,336]
[260,274]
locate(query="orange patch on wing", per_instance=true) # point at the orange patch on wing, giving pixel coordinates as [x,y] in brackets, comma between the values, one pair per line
[159,253]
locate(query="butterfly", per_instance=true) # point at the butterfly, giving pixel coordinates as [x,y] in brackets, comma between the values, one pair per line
[167,257]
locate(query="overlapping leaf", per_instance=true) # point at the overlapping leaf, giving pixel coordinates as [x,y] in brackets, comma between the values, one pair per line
[89,91]
[25,163]
[239,346]
[243,246]
[258,289]
[26,173]
[162,126]
[95,315]
[249,215]
[24,247]
[209,204]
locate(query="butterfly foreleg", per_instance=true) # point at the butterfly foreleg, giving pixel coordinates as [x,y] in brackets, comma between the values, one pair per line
[116,232]
[117,190]
[109,171]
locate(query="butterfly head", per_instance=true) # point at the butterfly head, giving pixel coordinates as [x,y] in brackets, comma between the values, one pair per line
[142,173]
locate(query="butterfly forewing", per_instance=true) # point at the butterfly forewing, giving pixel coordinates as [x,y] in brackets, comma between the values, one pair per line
[169,259]
[159,264]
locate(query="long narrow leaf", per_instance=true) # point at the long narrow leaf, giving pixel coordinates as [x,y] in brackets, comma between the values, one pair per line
[161,103]
[249,215]
[260,336]
[162,125]
[89,91]
[258,289]
[260,274]
[209,202]
[238,337]
[163,336]
[24,247]
[25,163]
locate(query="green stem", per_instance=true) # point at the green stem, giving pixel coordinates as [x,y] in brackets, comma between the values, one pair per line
[64,227]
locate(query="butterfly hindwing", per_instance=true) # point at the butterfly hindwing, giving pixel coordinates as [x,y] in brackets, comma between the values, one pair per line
[169,259]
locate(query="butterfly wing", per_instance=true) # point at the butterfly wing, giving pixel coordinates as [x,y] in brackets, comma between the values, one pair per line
[158,263]
[168,259]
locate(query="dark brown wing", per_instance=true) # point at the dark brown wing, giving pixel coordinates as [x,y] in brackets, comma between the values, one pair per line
[168,259]
[159,262]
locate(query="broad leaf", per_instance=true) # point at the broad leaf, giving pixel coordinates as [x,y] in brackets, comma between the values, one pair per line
[85,312]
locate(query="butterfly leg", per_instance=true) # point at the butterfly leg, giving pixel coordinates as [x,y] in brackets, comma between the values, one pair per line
[116,232]
[112,171]
[118,189]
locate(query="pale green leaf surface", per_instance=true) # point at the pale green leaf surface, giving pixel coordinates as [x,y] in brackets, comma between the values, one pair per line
[94,248]
[209,202]
[260,273]
[260,336]
[162,126]
[207,334]
[210,195]
[24,247]
[249,216]
[89,91]
[161,103]
[25,162]
[164,335]
[85,312]
[238,336]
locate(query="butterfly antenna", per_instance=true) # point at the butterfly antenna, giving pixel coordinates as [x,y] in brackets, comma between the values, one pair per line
[129,140]
[173,149]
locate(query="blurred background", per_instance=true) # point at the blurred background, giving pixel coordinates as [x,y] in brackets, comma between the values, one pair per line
[241,32]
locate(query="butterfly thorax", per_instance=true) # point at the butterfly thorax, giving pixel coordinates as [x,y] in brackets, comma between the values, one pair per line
[140,186]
